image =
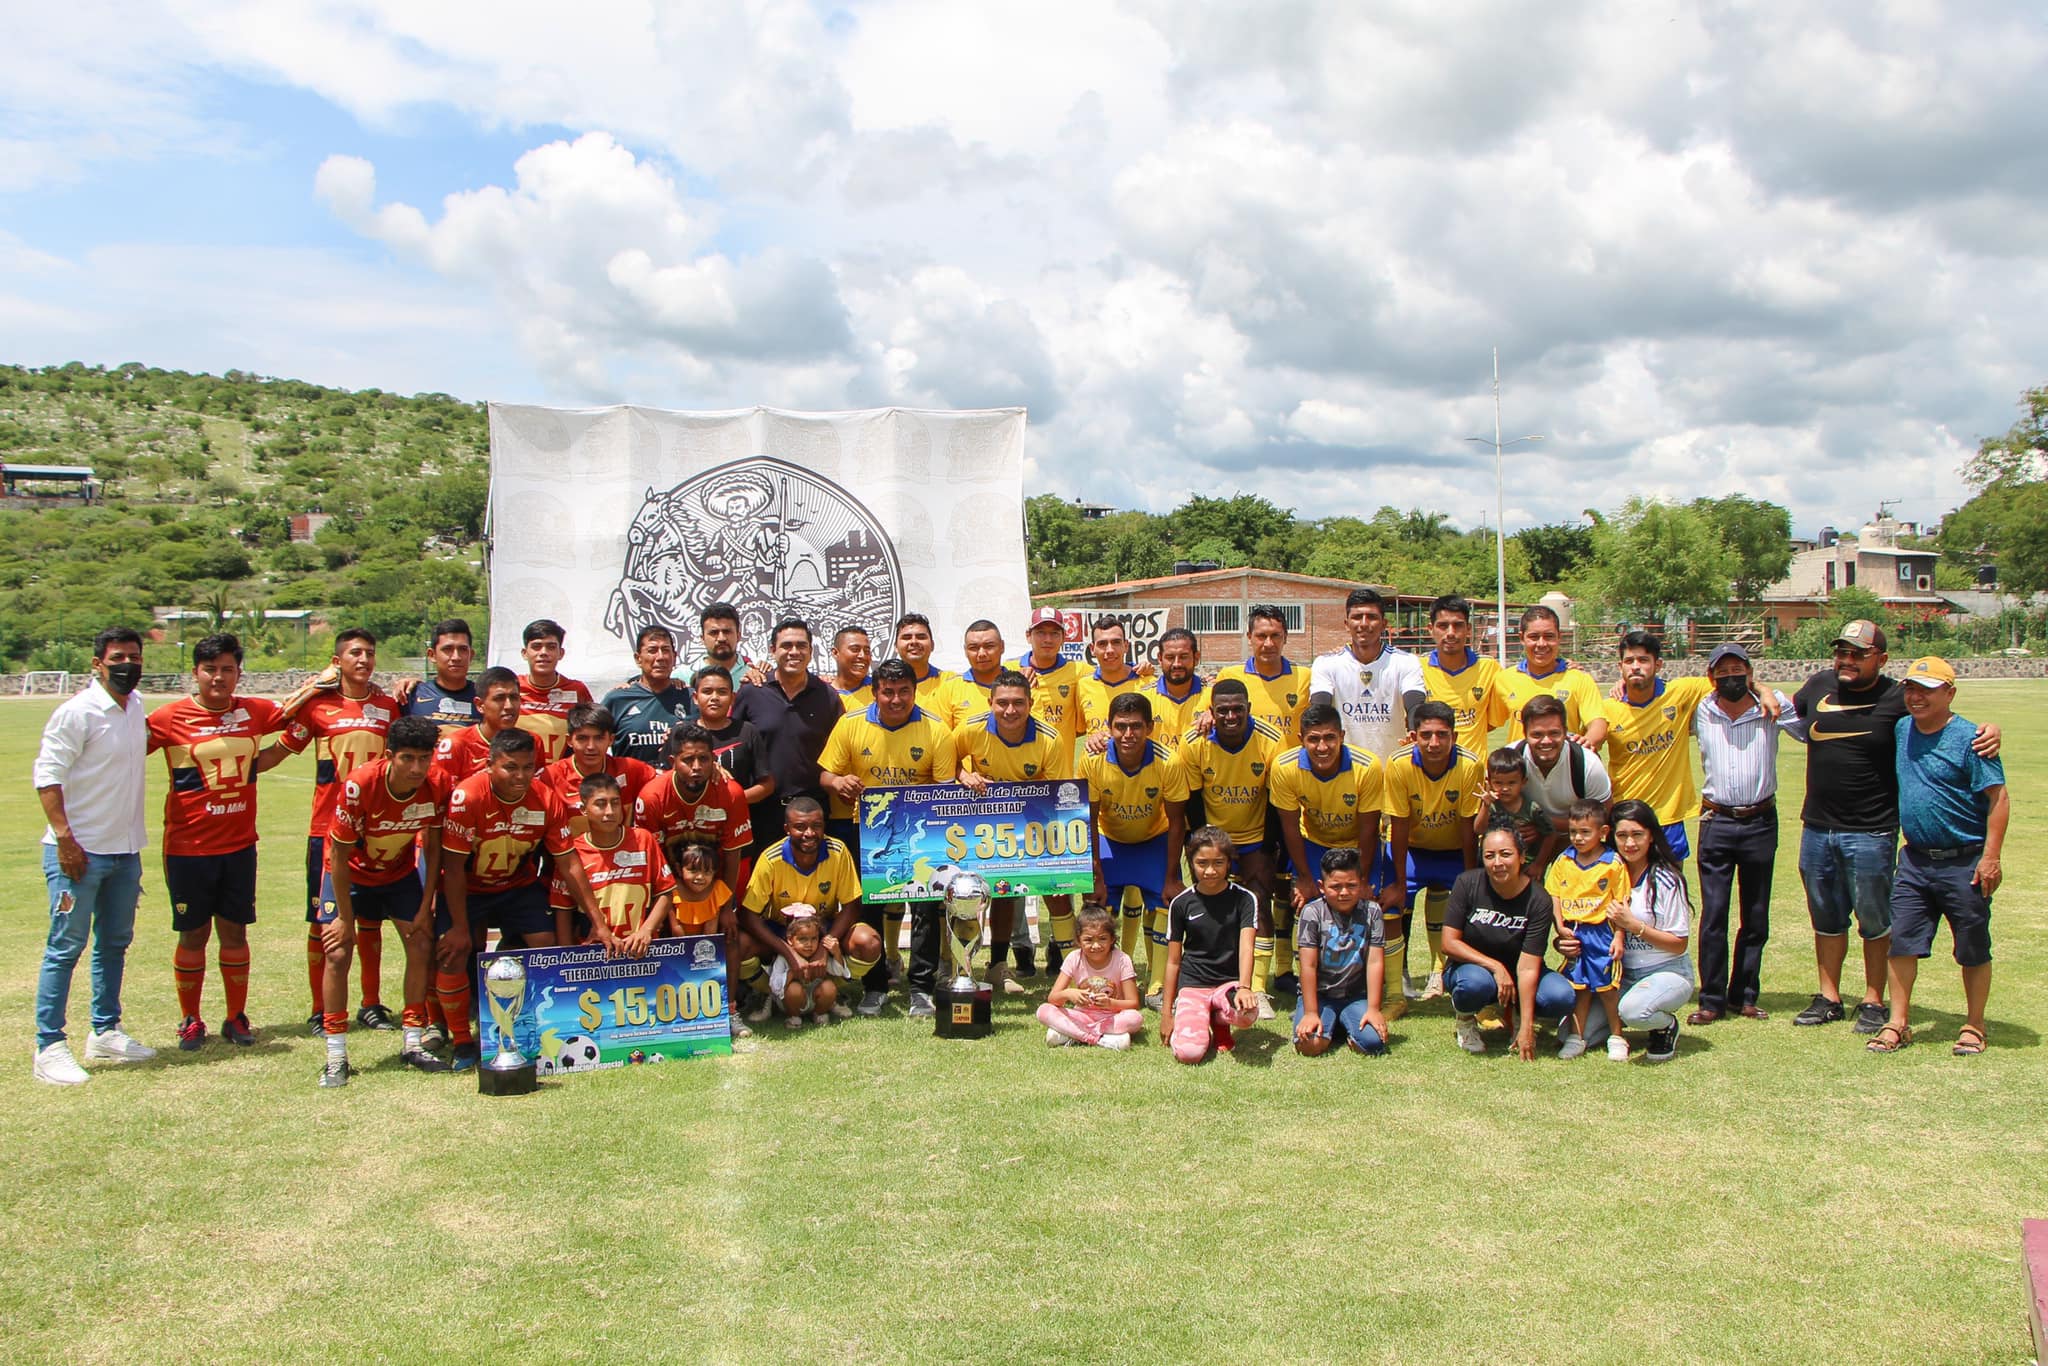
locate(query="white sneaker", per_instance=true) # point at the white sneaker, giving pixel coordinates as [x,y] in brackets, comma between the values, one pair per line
[841,1011]
[114,1046]
[1617,1048]
[793,1021]
[1432,988]
[1055,1039]
[760,1013]
[1469,1037]
[54,1064]
[1265,1005]
[1115,1041]
[1573,1047]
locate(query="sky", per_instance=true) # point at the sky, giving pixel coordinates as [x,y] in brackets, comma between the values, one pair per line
[1797,251]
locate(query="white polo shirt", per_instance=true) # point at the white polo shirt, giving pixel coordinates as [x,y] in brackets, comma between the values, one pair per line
[1554,792]
[96,749]
[1369,696]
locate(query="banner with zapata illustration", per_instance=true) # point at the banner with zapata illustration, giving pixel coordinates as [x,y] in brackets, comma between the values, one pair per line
[611,520]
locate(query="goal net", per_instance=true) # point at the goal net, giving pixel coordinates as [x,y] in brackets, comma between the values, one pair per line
[55,681]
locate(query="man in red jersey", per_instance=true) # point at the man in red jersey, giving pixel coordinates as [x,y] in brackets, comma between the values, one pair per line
[590,753]
[464,751]
[546,697]
[385,831]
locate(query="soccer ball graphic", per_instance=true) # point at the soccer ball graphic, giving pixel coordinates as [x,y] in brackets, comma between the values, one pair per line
[579,1053]
[657,1057]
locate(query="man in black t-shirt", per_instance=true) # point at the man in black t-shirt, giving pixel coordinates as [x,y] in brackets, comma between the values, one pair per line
[794,711]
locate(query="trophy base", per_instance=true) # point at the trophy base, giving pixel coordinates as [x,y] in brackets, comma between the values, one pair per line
[963,1014]
[507,1081]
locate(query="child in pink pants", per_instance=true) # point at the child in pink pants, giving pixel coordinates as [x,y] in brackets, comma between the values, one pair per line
[1095,999]
[1209,934]
[1203,1017]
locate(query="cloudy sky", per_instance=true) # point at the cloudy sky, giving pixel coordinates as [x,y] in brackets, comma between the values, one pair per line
[1795,250]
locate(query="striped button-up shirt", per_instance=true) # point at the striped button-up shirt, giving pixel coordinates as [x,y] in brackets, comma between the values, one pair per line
[1739,754]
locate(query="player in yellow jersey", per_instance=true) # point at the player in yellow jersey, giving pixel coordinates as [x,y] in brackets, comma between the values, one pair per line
[1140,792]
[1010,745]
[1585,883]
[1055,680]
[914,648]
[1230,767]
[852,656]
[1540,673]
[1433,790]
[806,867]
[1329,796]
[1277,689]
[1111,678]
[1648,758]
[892,742]
[965,696]
[1460,679]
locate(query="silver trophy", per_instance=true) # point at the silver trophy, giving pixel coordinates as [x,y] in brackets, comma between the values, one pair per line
[509,1072]
[966,900]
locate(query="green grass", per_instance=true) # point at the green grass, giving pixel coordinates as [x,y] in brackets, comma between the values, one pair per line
[873,1193]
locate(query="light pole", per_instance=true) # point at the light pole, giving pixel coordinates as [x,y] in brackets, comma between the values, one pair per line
[1500,520]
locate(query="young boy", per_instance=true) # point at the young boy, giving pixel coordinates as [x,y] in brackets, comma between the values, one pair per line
[628,874]
[1953,810]
[590,752]
[1585,883]
[1510,807]
[1342,940]
[466,752]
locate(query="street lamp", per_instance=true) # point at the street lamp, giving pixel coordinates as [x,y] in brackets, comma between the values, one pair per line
[1500,520]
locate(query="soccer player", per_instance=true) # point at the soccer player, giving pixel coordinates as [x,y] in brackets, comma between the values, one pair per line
[1230,767]
[1374,687]
[652,704]
[211,743]
[914,648]
[1540,673]
[808,866]
[464,753]
[448,699]
[1010,745]
[1175,695]
[1329,796]
[1278,691]
[852,657]
[1648,759]
[383,862]
[735,744]
[1457,677]
[1433,790]
[891,742]
[629,876]
[591,741]
[1140,792]
[1112,677]
[498,824]
[1055,680]
[546,696]
[966,696]
[697,804]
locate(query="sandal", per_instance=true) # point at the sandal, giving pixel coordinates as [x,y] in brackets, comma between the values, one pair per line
[1890,1039]
[1970,1042]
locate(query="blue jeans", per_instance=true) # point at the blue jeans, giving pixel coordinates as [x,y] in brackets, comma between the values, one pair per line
[1848,872]
[1333,1011]
[102,901]
[1472,989]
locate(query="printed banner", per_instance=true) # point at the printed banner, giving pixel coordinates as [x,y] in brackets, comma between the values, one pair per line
[1035,838]
[609,520]
[582,1011]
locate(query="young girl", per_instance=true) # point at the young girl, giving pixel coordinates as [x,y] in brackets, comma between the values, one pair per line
[699,893]
[1095,999]
[1587,884]
[804,932]
[1209,928]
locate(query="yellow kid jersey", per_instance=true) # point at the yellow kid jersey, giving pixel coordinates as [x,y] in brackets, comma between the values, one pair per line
[1647,756]
[1234,783]
[1583,893]
[1468,692]
[978,746]
[1330,807]
[1056,696]
[1097,694]
[862,747]
[1130,804]
[779,881]
[1438,810]
[1513,688]
[1278,701]
[1172,717]
[961,700]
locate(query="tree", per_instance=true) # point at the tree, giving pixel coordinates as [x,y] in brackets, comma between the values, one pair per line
[1656,559]
[1556,551]
[1758,538]
[2020,456]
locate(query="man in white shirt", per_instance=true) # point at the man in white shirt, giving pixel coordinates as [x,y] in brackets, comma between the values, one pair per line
[89,778]
[1557,771]
[1374,687]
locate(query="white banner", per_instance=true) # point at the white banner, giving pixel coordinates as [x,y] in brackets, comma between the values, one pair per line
[608,520]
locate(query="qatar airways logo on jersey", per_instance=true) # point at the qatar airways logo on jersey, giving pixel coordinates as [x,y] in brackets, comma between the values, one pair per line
[1650,745]
[1368,710]
[1234,792]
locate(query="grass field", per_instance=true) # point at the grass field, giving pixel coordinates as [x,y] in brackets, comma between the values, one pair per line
[870,1193]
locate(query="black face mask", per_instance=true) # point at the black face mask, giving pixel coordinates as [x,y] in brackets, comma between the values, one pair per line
[122,678]
[1732,689]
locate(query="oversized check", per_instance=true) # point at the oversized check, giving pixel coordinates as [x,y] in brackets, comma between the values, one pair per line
[1035,838]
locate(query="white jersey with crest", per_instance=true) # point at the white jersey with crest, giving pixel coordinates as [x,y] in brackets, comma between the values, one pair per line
[1368,696]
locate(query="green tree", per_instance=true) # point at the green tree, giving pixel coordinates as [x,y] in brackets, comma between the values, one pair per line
[1556,551]
[1656,559]
[1758,537]
[2019,456]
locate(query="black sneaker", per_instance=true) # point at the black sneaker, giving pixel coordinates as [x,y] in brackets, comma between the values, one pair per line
[1872,1016]
[465,1057]
[1822,1011]
[316,1025]
[1027,961]
[1287,984]
[420,1060]
[336,1073]
[238,1030]
[1663,1043]
[376,1017]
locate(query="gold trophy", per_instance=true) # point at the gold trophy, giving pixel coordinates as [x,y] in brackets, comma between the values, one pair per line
[509,1072]
[963,1003]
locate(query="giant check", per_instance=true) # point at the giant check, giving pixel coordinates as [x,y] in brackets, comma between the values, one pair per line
[1021,837]
[582,1011]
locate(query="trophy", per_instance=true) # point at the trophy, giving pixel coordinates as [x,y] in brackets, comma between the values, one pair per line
[963,1003]
[509,1072]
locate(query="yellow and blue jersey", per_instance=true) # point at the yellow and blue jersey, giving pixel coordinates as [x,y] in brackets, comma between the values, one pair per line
[979,747]
[960,700]
[1277,701]
[1173,717]
[1584,892]
[779,881]
[1056,696]
[854,699]
[860,746]
[1234,781]
[1130,804]
[1439,809]
[1330,807]
[1647,757]
[1514,688]
[1468,692]
[1096,695]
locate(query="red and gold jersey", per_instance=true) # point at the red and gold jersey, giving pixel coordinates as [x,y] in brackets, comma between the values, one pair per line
[460,754]
[380,831]
[717,817]
[626,879]
[211,807]
[345,733]
[544,713]
[567,781]
[503,840]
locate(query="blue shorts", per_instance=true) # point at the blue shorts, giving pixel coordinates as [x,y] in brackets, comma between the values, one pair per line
[1598,966]
[1436,869]
[1674,835]
[399,900]
[519,910]
[1141,865]
[1930,889]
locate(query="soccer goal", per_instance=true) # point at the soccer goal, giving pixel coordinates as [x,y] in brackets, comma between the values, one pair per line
[46,680]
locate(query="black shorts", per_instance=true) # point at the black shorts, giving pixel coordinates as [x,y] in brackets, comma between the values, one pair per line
[316,873]
[206,887]
[398,900]
[521,911]
[1926,891]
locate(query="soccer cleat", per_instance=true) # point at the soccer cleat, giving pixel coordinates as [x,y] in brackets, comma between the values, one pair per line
[336,1073]
[1265,1000]
[1663,1043]
[1055,1039]
[111,1045]
[1469,1037]
[1573,1046]
[465,1057]
[375,1017]
[1433,988]
[316,1025]
[191,1033]
[740,1030]
[434,1039]
[55,1065]
[1155,1002]
[420,1060]
[761,1011]
[921,1005]
[1287,984]
[1821,1011]
[1119,1042]
[238,1030]
[1872,1016]
[1617,1048]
